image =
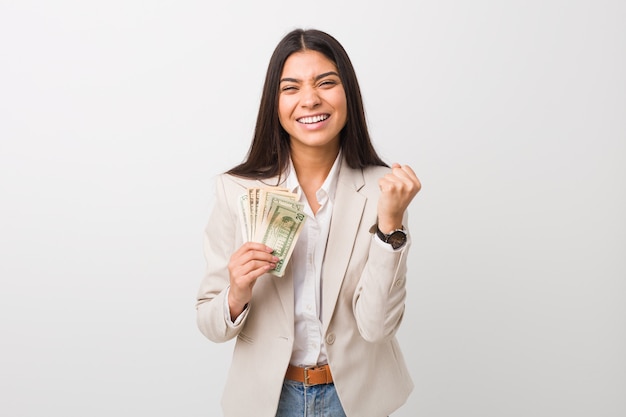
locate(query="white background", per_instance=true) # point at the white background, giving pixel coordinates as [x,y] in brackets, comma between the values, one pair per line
[115,116]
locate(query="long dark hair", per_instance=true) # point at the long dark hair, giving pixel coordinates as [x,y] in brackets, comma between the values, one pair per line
[268,155]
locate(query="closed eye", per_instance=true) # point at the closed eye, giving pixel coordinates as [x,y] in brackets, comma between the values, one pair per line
[328,83]
[288,88]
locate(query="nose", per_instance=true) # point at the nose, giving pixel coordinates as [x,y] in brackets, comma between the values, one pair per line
[310,98]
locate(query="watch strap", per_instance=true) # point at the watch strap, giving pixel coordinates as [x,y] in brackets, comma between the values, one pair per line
[386,237]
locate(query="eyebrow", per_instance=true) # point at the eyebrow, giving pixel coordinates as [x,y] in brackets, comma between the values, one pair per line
[319,77]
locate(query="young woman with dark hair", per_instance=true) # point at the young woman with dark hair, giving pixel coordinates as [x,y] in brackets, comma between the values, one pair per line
[320,339]
[269,151]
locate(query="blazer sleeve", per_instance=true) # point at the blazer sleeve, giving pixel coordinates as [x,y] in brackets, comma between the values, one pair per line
[220,241]
[379,299]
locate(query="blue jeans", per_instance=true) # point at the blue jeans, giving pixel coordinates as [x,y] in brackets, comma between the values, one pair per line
[297,400]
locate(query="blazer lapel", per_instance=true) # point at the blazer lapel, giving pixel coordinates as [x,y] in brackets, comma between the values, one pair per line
[284,288]
[347,212]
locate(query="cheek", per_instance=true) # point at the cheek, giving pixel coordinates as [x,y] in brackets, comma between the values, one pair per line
[283,118]
[341,103]
[342,107]
[284,109]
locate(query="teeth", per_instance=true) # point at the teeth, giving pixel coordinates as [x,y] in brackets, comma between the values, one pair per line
[313,119]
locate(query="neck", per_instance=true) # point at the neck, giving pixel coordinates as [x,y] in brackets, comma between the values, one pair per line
[312,169]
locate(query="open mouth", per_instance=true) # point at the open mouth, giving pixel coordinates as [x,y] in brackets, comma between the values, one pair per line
[313,119]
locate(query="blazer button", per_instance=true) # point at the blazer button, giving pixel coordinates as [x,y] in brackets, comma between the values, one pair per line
[330,338]
[399,282]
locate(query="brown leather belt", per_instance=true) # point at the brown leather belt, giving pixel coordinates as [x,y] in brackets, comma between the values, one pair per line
[313,375]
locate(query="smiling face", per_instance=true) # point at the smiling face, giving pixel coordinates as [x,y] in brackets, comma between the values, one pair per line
[312,105]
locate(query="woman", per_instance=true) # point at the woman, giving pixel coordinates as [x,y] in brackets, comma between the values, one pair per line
[322,336]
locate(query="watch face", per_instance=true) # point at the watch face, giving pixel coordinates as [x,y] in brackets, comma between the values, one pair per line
[397,239]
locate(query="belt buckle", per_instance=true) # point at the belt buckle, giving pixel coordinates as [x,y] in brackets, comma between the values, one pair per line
[306,375]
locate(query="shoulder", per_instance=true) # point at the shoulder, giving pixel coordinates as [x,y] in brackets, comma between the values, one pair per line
[232,183]
[375,171]
[363,180]
[226,189]
[371,174]
[229,185]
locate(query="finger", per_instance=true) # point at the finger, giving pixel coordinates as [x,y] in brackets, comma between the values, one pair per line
[251,260]
[254,269]
[408,170]
[249,251]
[406,174]
[401,178]
[254,246]
[395,187]
[403,171]
[246,275]
[249,257]
[394,179]
[257,255]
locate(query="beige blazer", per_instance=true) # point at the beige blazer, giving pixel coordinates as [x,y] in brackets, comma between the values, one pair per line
[363,294]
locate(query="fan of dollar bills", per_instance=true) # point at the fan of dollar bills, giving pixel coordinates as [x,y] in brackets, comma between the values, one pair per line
[272,216]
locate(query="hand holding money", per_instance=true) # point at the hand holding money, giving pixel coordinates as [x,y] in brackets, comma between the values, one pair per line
[273,217]
[247,264]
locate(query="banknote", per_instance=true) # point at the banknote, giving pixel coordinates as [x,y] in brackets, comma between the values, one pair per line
[272,216]
[267,194]
[253,201]
[244,217]
[267,197]
[280,231]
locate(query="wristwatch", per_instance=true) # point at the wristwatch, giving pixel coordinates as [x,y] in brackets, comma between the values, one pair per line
[397,238]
